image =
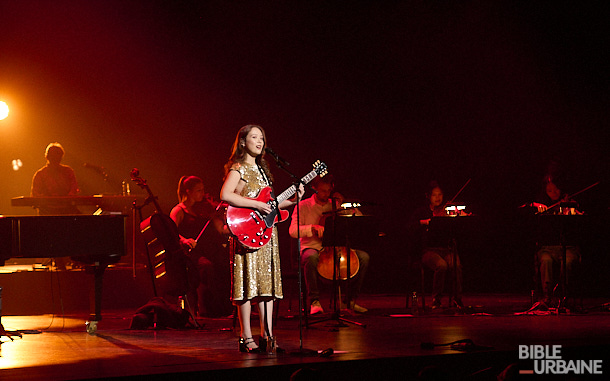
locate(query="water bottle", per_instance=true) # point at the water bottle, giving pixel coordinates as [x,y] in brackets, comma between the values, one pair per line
[414,304]
[125,188]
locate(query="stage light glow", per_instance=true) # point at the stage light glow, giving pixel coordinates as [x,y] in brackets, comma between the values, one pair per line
[3,110]
[348,205]
[17,164]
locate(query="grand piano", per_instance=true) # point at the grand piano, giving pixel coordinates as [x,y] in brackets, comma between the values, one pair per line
[95,240]
[106,202]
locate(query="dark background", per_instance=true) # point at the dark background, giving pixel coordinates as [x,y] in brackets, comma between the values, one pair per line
[389,94]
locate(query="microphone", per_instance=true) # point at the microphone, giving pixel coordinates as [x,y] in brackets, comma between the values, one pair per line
[93,166]
[277,157]
[99,169]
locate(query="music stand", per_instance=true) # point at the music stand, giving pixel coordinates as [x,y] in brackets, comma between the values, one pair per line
[560,230]
[447,229]
[352,232]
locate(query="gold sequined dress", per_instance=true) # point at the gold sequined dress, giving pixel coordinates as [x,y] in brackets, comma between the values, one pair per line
[255,273]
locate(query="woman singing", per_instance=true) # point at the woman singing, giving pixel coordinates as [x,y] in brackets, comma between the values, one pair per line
[256,276]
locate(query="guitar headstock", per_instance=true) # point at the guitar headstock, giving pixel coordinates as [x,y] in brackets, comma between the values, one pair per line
[135,177]
[320,168]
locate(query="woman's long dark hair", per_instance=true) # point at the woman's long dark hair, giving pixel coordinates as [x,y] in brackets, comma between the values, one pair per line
[238,152]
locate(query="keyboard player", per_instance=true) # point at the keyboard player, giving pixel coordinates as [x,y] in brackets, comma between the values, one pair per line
[55,179]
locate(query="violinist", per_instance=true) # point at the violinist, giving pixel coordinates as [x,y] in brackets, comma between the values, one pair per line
[549,254]
[201,228]
[551,198]
[436,252]
[312,213]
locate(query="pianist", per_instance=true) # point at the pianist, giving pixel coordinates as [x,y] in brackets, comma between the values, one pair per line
[55,179]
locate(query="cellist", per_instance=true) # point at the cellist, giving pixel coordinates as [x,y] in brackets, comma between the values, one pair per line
[312,213]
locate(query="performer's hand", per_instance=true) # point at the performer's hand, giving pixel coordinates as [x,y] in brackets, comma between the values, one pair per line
[188,242]
[301,191]
[317,230]
[263,207]
[541,207]
[425,222]
[338,197]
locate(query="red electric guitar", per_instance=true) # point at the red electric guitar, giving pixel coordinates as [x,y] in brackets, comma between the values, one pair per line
[253,229]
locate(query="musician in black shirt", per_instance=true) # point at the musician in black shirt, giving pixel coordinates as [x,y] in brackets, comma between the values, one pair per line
[195,212]
[436,249]
[550,251]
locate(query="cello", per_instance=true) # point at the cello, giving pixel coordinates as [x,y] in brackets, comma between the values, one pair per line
[163,242]
[327,262]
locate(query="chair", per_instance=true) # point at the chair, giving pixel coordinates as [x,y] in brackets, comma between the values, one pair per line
[557,281]
[423,281]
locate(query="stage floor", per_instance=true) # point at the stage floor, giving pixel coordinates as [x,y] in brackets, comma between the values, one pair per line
[59,348]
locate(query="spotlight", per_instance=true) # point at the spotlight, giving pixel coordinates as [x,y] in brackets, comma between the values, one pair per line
[17,164]
[3,110]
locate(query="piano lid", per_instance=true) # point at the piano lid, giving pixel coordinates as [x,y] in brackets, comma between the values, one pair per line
[95,200]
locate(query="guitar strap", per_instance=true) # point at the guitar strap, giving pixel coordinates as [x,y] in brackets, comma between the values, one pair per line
[262,171]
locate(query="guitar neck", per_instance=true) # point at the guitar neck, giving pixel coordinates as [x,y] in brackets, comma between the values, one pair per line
[291,190]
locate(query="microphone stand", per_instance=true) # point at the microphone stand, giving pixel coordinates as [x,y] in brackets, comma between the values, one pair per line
[297,182]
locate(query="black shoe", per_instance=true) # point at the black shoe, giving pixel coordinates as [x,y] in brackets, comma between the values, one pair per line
[270,346]
[243,345]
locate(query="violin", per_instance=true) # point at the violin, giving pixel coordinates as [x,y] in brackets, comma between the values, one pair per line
[566,205]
